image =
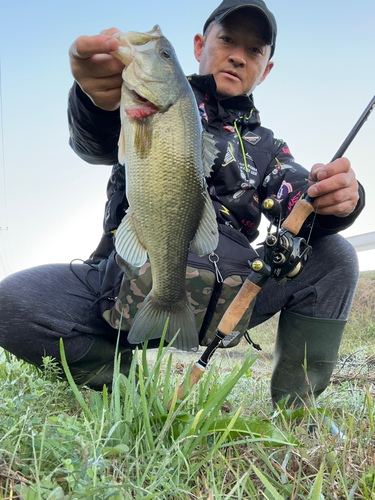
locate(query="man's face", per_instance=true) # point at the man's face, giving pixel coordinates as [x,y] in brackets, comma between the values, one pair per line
[236,53]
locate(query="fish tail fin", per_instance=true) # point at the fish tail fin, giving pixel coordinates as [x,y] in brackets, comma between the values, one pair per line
[152,316]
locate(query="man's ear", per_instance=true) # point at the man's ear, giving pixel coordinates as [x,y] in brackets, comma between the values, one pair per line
[198,46]
[266,71]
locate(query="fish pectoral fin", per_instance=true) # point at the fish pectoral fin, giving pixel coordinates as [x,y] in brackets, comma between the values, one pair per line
[127,243]
[209,152]
[121,147]
[206,238]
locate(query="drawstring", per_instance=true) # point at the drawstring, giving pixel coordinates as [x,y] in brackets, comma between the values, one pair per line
[100,297]
[242,118]
[86,282]
[248,339]
[242,146]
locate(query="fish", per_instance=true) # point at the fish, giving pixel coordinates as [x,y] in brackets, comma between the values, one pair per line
[167,157]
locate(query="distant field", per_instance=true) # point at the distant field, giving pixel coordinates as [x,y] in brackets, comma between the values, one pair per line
[359,333]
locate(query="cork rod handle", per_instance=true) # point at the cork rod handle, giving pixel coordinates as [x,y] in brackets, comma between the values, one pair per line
[238,306]
[301,210]
[195,375]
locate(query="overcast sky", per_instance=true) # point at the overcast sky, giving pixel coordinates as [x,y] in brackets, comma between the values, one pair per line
[52,202]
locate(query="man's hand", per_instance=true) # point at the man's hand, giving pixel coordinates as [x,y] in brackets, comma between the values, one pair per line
[97,72]
[336,193]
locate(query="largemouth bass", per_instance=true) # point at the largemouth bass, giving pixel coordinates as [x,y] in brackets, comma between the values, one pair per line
[166,159]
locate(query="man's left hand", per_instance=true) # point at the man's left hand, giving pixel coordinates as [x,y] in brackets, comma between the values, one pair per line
[336,193]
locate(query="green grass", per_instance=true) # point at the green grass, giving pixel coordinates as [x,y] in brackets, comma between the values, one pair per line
[222,441]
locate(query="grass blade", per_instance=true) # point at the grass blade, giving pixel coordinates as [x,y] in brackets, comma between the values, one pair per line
[317,490]
[73,385]
[276,495]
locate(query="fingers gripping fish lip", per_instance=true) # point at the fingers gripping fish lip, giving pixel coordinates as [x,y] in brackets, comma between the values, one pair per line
[124,53]
[135,38]
[141,107]
[132,42]
[128,41]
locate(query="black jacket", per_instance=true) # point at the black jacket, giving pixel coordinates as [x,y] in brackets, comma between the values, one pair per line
[252,164]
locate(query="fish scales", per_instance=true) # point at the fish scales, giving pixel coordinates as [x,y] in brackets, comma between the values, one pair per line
[172,183]
[161,143]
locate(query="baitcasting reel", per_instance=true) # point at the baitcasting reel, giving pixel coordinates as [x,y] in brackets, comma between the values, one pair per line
[284,253]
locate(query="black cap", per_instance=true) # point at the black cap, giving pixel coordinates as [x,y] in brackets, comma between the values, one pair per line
[228,6]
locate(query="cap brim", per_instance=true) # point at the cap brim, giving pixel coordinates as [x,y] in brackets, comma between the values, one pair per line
[220,17]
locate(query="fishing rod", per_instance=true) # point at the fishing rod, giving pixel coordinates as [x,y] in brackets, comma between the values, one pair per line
[357,127]
[284,257]
[355,130]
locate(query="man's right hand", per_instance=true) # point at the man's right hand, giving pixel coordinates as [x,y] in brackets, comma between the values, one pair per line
[97,72]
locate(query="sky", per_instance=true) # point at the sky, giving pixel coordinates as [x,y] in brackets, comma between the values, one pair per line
[52,202]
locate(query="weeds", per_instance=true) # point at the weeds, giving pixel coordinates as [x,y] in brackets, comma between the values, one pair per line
[223,440]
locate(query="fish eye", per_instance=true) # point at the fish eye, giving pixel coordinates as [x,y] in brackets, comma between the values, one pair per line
[164,53]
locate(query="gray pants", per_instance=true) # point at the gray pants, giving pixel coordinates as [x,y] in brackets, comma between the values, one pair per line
[43,304]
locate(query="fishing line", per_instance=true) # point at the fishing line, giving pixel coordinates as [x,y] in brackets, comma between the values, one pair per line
[312,224]
[10,268]
[1,259]
[2,146]
[344,146]
[2,149]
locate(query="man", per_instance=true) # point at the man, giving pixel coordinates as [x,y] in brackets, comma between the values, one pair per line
[41,305]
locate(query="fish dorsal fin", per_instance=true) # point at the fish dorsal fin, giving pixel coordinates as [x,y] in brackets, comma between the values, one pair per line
[127,243]
[209,152]
[121,147]
[206,238]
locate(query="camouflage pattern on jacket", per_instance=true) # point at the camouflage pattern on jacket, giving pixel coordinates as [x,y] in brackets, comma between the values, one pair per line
[200,284]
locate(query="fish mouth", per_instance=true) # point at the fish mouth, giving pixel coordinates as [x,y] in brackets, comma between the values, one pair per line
[142,107]
[130,42]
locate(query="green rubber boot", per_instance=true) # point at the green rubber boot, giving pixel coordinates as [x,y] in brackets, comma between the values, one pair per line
[95,368]
[305,355]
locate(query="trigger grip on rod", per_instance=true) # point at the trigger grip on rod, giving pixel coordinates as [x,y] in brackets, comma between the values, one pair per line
[271,208]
